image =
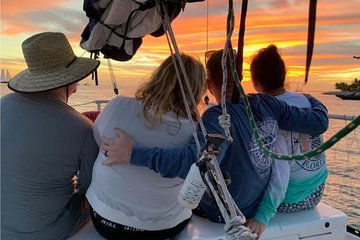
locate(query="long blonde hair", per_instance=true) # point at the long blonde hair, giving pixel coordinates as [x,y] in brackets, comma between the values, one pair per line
[162,94]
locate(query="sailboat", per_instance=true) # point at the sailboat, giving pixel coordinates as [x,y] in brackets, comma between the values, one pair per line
[322,222]
[5,76]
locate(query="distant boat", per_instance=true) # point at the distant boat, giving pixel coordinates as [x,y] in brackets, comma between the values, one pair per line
[349,95]
[5,76]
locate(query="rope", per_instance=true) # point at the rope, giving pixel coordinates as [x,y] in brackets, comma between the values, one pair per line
[112,77]
[224,119]
[186,103]
[173,46]
[235,230]
[94,74]
[234,222]
[231,206]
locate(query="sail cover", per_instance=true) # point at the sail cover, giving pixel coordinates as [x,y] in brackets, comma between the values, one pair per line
[116,27]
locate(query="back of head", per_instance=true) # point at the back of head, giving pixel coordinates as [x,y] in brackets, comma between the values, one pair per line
[213,66]
[214,70]
[162,92]
[268,69]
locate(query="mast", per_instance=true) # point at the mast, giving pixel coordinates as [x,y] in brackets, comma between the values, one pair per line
[2,77]
[8,76]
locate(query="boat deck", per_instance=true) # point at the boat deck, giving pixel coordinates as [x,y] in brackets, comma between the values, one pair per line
[351,237]
[321,223]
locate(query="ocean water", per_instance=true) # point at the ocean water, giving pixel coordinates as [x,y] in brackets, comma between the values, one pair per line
[343,185]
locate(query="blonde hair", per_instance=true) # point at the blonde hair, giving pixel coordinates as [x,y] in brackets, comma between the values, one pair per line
[162,93]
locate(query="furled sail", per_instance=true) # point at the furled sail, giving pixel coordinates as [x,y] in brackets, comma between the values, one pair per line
[116,28]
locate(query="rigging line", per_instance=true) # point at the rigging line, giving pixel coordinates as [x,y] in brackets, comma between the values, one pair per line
[240,50]
[94,74]
[112,77]
[311,36]
[186,104]
[231,205]
[224,119]
[219,200]
[226,126]
[83,53]
[173,40]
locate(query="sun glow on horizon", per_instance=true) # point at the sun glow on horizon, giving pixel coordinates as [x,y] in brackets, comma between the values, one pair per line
[337,36]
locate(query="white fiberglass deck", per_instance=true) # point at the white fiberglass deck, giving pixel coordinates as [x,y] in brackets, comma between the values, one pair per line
[321,223]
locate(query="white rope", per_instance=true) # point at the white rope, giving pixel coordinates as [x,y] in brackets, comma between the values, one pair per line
[224,119]
[235,230]
[185,101]
[171,40]
[229,201]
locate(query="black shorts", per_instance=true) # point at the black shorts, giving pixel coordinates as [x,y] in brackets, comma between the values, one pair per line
[111,230]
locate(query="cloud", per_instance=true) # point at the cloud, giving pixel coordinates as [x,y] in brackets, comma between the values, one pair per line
[40,15]
[14,7]
[283,22]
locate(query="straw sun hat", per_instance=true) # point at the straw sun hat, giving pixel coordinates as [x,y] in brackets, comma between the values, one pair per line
[51,64]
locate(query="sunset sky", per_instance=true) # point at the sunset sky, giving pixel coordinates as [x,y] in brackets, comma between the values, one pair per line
[282,22]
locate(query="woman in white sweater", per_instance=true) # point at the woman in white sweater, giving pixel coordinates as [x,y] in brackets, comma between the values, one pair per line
[132,202]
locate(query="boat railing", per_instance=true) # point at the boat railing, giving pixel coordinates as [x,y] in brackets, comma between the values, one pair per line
[99,104]
[343,159]
[342,189]
[342,117]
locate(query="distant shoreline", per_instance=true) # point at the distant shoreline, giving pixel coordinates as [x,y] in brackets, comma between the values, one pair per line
[331,92]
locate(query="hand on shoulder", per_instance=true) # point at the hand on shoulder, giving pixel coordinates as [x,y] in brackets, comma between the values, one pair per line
[117,151]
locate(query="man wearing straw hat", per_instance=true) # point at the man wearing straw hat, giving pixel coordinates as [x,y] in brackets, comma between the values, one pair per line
[44,142]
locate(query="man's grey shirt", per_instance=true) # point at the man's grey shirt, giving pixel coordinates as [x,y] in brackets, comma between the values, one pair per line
[43,143]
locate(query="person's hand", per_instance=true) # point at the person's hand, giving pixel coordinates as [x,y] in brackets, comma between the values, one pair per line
[117,151]
[255,226]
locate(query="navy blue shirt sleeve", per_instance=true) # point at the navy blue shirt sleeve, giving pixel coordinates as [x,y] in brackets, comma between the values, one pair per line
[176,162]
[313,121]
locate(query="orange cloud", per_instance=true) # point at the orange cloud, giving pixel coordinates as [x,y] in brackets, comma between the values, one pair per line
[14,7]
[284,23]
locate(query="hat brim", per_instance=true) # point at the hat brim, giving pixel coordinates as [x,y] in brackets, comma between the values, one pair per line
[28,82]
